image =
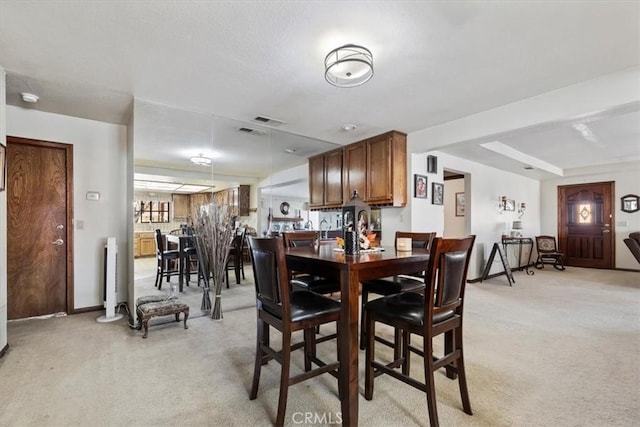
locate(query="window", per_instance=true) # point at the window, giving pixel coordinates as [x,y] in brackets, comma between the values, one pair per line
[584,213]
[145,212]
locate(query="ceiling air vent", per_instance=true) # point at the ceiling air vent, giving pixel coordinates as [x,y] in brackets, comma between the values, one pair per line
[252,131]
[529,168]
[268,120]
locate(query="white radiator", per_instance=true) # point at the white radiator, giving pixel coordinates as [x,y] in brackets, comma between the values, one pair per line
[110,289]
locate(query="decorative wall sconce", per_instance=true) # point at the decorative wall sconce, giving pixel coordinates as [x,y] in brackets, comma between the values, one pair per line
[521,209]
[502,204]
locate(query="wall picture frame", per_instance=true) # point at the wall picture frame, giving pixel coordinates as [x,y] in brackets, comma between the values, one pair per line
[437,193]
[432,164]
[510,205]
[419,186]
[3,167]
[459,204]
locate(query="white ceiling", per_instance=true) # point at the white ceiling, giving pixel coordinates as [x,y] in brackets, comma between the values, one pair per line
[223,63]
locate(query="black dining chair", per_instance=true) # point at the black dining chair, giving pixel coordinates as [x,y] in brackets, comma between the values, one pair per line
[287,312]
[395,284]
[167,260]
[235,260]
[438,311]
[317,284]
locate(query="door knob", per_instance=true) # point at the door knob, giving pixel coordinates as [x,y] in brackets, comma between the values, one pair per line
[58,242]
[606,231]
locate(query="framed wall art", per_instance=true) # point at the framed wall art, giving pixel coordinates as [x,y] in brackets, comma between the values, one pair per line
[459,204]
[437,193]
[420,186]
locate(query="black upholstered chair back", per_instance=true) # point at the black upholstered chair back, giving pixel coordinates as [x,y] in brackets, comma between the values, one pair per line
[446,275]
[270,274]
[418,240]
[300,238]
[159,242]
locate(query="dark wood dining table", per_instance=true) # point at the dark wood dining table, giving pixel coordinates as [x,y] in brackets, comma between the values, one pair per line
[350,270]
[182,241]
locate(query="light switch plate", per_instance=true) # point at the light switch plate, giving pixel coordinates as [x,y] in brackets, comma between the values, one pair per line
[93,196]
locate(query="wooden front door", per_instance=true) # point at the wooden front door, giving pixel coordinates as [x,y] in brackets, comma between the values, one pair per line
[39,237]
[585,234]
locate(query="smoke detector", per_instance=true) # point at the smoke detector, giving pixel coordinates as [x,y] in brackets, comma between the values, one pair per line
[29,97]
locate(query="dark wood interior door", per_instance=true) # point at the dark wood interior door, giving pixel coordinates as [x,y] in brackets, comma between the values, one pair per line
[585,234]
[38,236]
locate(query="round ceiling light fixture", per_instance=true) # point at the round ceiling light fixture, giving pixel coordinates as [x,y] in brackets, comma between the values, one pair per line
[200,160]
[349,127]
[348,66]
[29,97]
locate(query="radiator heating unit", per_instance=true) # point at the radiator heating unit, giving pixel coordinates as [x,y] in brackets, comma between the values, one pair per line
[110,282]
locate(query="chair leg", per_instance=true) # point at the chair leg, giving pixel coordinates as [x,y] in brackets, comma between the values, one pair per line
[430,381]
[158,276]
[370,348]
[363,333]
[284,378]
[236,267]
[161,274]
[227,277]
[462,378]
[309,347]
[406,353]
[258,363]
[448,349]
[397,344]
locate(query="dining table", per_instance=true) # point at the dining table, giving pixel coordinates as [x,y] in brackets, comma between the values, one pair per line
[328,261]
[182,241]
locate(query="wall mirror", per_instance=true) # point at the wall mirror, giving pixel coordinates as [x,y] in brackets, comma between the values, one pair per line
[629,203]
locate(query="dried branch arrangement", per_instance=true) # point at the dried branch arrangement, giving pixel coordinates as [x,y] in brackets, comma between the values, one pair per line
[214,233]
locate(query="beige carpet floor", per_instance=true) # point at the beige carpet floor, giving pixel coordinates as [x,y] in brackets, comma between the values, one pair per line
[556,349]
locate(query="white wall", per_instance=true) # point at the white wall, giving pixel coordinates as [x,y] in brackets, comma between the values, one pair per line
[483,187]
[454,226]
[99,164]
[3,221]
[627,181]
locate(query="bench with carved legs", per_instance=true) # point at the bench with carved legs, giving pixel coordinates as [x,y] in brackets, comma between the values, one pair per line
[153,307]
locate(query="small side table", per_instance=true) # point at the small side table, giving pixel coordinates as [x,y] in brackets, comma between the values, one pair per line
[520,241]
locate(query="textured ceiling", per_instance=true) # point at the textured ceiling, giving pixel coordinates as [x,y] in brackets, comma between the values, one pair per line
[230,61]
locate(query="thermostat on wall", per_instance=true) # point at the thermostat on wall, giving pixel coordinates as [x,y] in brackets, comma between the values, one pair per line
[93,196]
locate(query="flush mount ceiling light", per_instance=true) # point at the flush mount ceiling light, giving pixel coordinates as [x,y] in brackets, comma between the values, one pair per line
[201,160]
[349,127]
[29,97]
[348,66]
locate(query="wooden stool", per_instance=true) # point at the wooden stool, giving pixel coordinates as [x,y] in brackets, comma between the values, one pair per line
[161,308]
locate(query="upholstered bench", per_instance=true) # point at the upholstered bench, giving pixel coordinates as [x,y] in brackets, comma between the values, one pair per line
[161,307]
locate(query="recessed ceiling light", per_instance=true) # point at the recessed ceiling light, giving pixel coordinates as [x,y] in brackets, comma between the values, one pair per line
[29,97]
[349,127]
[290,150]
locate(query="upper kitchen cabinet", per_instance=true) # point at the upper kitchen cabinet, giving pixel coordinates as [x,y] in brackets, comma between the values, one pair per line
[181,206]
[375,167]
[325,179]
[387,170]
[237,198]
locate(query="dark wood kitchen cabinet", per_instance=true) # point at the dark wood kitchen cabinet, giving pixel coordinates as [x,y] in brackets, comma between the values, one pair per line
[387,170]
[325,180]
[375,167]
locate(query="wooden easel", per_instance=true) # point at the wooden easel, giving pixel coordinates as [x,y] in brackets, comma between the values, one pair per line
[497,247]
